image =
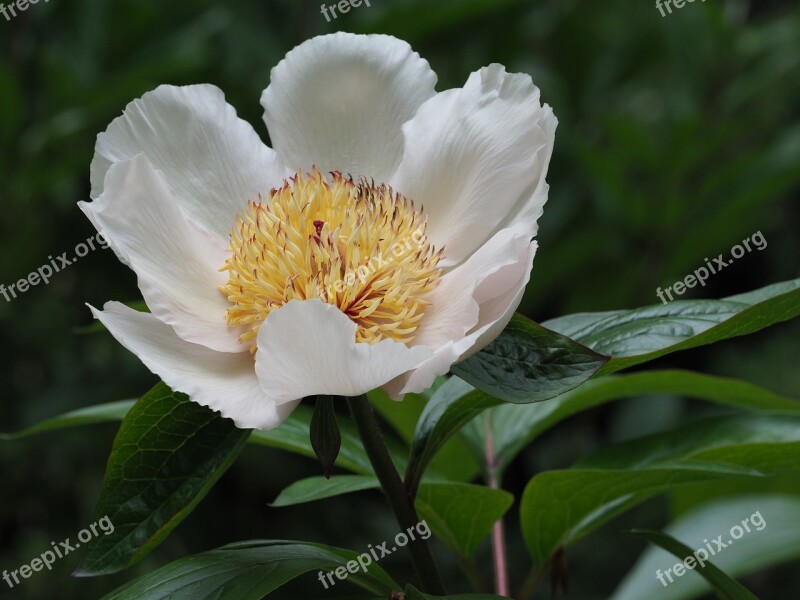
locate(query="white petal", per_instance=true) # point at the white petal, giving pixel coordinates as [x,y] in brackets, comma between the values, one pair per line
[213,161]
[308,347]
[224,382]
[176,261]
[471,306]
[476,158]
[500,268]
[339,101]
[422,377]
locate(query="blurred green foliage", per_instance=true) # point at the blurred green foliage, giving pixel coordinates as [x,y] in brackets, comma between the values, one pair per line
[678,137]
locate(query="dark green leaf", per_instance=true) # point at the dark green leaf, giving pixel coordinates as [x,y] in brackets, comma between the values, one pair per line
[515,426]
[636,336]
[167,455]
[451,407]
[250,571]
[293,435]
[529,363]
[559,507]
[727,587]
[455,460]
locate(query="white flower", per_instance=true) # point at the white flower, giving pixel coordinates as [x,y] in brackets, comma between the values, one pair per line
[268,281]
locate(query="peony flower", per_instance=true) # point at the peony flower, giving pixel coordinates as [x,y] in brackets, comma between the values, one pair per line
[386,235]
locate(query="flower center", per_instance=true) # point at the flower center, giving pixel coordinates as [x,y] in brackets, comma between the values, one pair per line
[357,246]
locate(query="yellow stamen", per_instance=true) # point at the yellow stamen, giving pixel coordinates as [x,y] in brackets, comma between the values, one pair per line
[352,244]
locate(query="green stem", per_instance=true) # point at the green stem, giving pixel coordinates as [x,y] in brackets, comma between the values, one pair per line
[395,491]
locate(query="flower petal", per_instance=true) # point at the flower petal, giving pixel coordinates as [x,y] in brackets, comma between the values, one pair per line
[214,161]
[339,101]
[176,261]
[223,382]
[471,306]
[500,268]
[477,157]
[308,347]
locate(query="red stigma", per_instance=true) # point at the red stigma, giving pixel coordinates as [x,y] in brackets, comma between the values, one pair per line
[319,225]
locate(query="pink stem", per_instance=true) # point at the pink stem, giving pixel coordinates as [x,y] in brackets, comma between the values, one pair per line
[498,532]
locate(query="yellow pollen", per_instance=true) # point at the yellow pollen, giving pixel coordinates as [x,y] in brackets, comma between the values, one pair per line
[352,244]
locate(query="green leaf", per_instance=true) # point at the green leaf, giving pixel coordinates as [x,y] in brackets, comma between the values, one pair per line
[579,500]
[559,507]
[724,585]
[769,442]
[516,426]
[413,593]
[529,363]
[101,413]
[249,571]
[632,337]
[688,498]
[461,514]
[167,455]
[451,407]
[293,435]
[455,460]
[775,541]
[326,439]
[318,488]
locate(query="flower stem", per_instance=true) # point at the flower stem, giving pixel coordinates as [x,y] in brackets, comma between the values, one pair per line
[395,491]
[498,533]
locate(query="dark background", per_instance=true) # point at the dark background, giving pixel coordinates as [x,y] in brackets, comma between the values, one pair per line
[679,137]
